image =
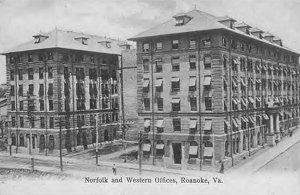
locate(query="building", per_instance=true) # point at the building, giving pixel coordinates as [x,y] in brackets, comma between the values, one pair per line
[67,77]
[212,89]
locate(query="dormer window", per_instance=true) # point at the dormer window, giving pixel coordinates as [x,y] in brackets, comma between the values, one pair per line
[82,40]
[39,38]
[181,19]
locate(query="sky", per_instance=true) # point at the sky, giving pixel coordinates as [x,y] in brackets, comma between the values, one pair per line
[21,19]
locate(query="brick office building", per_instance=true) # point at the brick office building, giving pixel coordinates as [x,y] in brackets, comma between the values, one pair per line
[69,75]
[211,89]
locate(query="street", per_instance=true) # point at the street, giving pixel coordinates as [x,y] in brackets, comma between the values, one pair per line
[289,161]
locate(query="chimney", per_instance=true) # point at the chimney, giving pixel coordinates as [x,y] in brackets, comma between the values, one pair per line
[277,41]
[269,37]
[256,32]
[243,27]
[227,21]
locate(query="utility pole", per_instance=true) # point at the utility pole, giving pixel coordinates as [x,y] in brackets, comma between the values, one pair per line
[97,138]
[60,145]
[140,153]
[30,109]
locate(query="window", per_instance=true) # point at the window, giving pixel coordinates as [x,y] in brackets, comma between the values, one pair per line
[92,59]
[81,104]
[51,122]
[93,104]
[175,104]
[41,90]
[193,103]
[159,85]
[224,42]
[147,124]
[21,121]
[93,74]
[193,125]
[31,89]
[12,90]
[242,46]
[50,56]
[41,73]
[192,60]
[146,85]
[224,61]
[93,120]
[179,21]
[208,103]
[30,73]
[30,58]
[146,47]
[20,74]
[21,105]
[50,105]
[192,84]
[80,120]
[13,121]
[66,73]
[12,75]
[158,45]
[146,65]
[233,44]
[159,125]
[158,65]
[175,84]
[41,57]
[192,44]
[160,104]
[147,104]
[177,124]
[207,61]
[42,105]
[175,64]
[12,60]
[50,89]
[207,42]
[20,90]
[50,73]
[175,44]
[42,120]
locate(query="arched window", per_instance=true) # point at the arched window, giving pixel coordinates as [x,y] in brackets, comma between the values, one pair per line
[78,139]
[233,145]
[42,142]
[244,142]
[51,142]
[22,140]
[94,136]
[13,139]
[226,148]
[237,144]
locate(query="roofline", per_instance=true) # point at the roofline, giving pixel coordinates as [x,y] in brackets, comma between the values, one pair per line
[7,53]
[225,29]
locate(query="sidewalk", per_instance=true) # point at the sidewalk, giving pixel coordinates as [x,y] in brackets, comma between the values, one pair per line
[254,164]
[91,165]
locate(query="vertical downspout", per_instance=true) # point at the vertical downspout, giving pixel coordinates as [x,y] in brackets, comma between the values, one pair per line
[122,99]
[16,105]
[152,101]
[45,104]
[230,95]
[200,102]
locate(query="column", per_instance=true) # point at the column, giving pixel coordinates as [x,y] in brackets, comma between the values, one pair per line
[270,136]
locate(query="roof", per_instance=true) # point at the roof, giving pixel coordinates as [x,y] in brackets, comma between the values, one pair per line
[266,34]
[66,40]
[201,21]
[225,18]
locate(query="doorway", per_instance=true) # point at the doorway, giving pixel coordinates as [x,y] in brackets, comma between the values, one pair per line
[84,140]
[177,153]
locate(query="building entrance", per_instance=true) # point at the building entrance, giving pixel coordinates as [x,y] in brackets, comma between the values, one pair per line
[177,153]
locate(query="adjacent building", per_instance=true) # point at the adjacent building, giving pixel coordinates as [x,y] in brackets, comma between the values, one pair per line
[212,89]
[67,78]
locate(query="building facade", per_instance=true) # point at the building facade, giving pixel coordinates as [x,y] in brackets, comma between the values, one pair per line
[211,89]
[68,77]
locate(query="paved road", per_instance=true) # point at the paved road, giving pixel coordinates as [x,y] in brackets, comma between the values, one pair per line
[289,161]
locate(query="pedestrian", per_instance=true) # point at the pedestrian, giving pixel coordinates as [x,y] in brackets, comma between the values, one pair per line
[114,169]
[222,167]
